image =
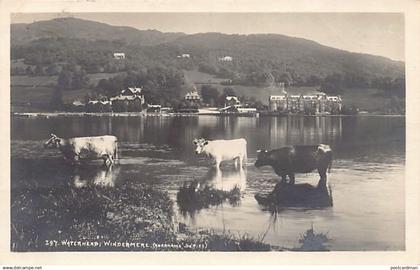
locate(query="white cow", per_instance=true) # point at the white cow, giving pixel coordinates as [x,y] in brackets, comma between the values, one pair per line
[221,150]
[75,149]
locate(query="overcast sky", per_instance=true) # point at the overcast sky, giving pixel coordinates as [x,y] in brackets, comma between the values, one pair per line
[373,33]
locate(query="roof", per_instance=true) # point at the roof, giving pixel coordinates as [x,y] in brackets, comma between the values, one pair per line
[229,98]
[122,97]
[334,98]
[192,94]
[78,103]
[132,90]
[98,101]
[277,97]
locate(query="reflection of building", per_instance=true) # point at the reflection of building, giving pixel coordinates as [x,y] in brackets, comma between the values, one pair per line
[305,104]
[301,130]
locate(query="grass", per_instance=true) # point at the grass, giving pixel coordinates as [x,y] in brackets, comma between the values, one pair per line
[50,218]
[38,90]
[33,81]
[125,213]
[311,241]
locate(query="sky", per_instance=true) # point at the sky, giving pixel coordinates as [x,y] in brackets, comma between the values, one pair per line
[373,33]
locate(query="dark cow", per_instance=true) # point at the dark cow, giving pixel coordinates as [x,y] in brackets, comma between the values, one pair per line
[289,160]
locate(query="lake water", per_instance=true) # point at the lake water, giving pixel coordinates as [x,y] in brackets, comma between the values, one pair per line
[366,180]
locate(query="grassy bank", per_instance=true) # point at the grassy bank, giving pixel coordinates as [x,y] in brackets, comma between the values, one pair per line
[134,217]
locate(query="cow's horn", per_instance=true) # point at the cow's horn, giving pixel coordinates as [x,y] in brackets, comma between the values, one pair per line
[258,151]
[53,135]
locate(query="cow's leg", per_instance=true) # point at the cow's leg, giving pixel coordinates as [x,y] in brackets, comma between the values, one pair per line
[241,161]
[218,162]
[76,159]
[291,178]
[107,160]
[323,176]
[284,178]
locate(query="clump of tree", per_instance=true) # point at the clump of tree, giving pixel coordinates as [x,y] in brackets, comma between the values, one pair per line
[161,85]
[72,77]
[210,95]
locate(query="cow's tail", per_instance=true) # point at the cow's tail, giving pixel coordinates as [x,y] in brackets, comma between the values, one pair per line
[330,159]
[116,152]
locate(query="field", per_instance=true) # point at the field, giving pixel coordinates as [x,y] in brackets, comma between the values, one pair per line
[32,93]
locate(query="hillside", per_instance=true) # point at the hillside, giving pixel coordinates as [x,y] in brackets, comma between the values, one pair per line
[73,28]
[50,48]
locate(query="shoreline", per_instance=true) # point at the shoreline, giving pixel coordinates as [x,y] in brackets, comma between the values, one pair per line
[144,114]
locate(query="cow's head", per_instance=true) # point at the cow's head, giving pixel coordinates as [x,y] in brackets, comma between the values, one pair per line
[53,142]
[200,145]
[263,158]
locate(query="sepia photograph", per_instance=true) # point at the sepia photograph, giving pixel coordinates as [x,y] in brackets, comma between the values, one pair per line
[197,132]
[136,132]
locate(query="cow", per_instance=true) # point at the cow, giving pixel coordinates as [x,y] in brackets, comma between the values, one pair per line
[221,150]
[84,148]
[287,161]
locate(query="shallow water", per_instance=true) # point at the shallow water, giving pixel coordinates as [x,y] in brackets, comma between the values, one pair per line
[367,178]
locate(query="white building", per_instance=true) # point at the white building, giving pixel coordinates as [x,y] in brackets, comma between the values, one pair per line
[226,59]
[119,55]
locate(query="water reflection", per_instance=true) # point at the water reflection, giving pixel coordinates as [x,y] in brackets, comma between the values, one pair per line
[367,174]
[227,179]
[305,196]
[95,175]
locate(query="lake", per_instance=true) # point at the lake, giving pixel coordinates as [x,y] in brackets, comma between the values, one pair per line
[366,180]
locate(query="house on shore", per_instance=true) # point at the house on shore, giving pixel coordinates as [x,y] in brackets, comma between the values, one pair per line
[232,101]
[193,99]
[226,59]
[119,55]
[313,104]
[99,106]
[184,55]
[129,100]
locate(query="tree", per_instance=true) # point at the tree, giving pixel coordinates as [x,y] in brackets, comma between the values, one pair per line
[64,80]
[313,80]
[56,101]
[72,78]
[333,84]
[53,69]
[209,94]
[39,70]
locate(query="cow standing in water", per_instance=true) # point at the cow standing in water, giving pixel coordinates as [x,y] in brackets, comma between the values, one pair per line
[221,150]
[289,160]
[76,149]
